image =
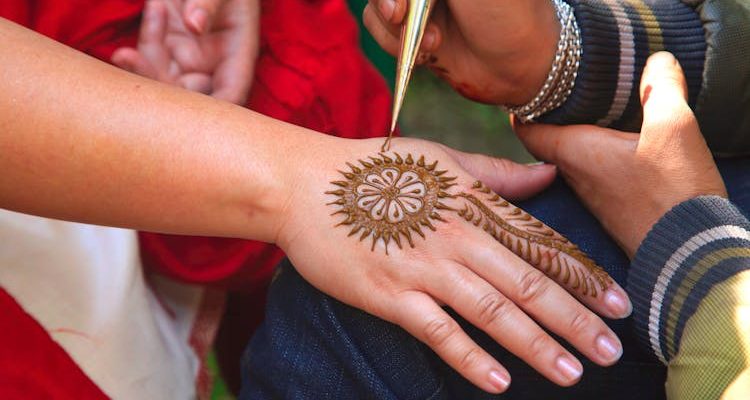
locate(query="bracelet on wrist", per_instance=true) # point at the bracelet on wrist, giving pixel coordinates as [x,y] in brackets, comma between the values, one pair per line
[561,79]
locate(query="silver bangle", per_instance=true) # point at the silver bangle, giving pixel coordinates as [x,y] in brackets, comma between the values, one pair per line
[561,79]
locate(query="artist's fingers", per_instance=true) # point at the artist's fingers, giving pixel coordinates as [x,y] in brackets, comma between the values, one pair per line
[501,318]
[666,114]
[199,14]
[509,179]
[391,11]
[567,146]
[418,314]
[546,302]
[388,35]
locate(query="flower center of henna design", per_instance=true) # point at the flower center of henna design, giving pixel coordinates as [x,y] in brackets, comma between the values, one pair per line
[391,198]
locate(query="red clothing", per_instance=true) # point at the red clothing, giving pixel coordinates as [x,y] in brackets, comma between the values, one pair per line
[310,72]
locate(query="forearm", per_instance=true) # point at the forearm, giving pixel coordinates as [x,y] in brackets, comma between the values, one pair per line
[690,285]
[81,140]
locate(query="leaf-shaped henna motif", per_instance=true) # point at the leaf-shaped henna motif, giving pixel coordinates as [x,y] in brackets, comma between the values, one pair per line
[533,241]
[391,198]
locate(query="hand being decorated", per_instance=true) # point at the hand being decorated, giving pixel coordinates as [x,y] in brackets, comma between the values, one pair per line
[414,230]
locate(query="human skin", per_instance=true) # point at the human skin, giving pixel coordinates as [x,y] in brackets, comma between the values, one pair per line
[629,181]
[207,46]
[88,142]
[496,52]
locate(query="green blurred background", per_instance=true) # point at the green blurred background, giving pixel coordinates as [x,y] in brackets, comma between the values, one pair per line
[432,110]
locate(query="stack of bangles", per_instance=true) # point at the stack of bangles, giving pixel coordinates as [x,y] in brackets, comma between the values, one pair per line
[561,80]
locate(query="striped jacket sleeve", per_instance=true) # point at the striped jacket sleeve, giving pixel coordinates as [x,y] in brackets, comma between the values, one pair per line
[711,39]
[690,287]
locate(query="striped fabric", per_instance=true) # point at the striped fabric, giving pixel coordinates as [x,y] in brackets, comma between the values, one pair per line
[693,250]
[618,37]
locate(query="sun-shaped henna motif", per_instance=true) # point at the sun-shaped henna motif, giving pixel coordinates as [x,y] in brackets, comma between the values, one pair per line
[390,198]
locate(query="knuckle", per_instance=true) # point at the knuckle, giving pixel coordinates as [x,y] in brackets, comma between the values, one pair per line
[438,331]
[579,323]
[502,166]
[493,308]
[539,345]
[369,19]
[532,286]
[470,359]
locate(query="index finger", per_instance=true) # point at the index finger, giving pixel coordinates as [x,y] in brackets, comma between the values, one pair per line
[391,11]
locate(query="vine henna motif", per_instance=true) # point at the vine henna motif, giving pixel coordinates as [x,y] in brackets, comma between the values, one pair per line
[533,241]
[392,198]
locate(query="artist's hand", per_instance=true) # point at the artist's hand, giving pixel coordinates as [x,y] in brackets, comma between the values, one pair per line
[630,181]
[497,52]
[461,255]
[207,46]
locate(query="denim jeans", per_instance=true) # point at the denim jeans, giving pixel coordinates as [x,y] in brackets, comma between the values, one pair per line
[311,346]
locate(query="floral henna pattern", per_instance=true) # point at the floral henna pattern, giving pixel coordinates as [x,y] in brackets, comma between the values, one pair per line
[391,198]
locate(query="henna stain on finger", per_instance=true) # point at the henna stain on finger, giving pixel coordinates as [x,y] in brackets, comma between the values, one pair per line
[389,199]
[533,241]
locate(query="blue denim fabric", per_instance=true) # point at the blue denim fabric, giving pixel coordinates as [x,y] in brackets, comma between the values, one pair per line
[314,347]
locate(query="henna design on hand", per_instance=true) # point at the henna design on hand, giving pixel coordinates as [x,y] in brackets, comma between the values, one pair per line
[389,198]
[533,241]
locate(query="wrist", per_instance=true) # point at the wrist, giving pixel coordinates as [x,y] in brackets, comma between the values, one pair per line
[526,75]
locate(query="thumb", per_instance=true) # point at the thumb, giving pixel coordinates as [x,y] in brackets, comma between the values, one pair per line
[511,180]
[664,96]
[199,14]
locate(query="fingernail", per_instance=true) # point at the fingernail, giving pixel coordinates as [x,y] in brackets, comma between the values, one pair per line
[663,59]
[199,19]
[617,303]
[570,369]
[387,8]
[499,381]
[609,349]
[538,165]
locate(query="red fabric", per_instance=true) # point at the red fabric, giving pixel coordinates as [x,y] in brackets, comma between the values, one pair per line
[96,27]
[32,365]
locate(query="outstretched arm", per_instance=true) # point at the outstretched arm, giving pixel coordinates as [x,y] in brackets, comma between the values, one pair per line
[84,141]
[70,124]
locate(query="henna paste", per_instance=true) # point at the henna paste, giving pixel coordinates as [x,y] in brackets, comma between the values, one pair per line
[391,198]
[534,242]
